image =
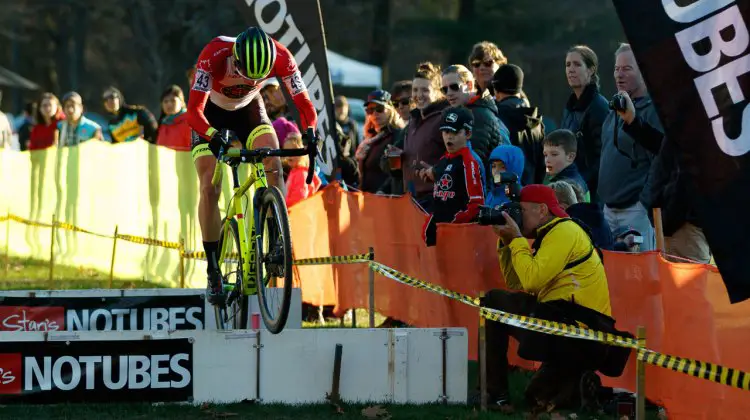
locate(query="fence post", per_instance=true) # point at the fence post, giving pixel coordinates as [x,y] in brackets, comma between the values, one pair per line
[659,230]
[482,360]
[640,377]
[52,249]
[372,288]
[112,263]
[7,245]
[182,262]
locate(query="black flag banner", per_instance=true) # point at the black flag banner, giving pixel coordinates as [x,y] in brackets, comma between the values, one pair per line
[695,58]
[298,24]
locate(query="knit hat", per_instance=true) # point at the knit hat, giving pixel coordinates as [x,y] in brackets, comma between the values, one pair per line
[283,127]
[508,79]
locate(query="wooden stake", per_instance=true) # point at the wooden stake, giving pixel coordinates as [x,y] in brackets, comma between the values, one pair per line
[52,249]
[482,360]
[112,262]
[372,289]
[659,230]
[7,245]
[640,377]
[182,262]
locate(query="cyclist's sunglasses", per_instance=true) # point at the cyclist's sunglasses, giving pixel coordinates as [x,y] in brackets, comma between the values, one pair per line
[379,109]
[402,102]
[477,63]
[238,66]
[453,86]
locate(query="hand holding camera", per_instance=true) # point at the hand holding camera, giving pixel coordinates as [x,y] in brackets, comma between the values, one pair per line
[623,105]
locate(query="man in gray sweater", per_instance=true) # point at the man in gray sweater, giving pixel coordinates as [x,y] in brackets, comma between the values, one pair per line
[626,156]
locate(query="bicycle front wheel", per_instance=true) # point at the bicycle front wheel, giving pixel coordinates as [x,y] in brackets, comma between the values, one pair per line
[274,256]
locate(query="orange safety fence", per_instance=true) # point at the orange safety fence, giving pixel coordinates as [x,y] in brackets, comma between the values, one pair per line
[683,306]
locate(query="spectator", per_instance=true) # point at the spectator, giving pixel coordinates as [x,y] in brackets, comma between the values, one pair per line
[559,159]
[485,59]
[625,165]
[524,123]
[24,129]
[174,130]
[383,127]
[347,167]
[297,188]
[75,128]
[128,122]
[585,111]
[402,99]
[348,125]
[489,132]
[560,278]
[458,191]
[6,129]
[570,198]
[274,100]
[504,159]
[284,128]
[43,135]
[423,143]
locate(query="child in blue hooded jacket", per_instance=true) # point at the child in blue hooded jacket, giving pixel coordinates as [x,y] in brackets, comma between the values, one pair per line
[503,159]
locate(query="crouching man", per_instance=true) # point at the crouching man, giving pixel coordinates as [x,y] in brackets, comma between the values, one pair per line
[559,278]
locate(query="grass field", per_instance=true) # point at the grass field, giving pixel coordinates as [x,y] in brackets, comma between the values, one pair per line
[27,274]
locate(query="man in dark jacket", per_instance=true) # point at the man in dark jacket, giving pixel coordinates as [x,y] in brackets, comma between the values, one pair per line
[524,123]
[624,185]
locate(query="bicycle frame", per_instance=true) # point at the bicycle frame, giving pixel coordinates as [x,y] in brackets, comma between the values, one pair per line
[256,180]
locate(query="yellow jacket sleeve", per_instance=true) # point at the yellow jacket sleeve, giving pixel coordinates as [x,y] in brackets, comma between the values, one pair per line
[506,267]
[535,272]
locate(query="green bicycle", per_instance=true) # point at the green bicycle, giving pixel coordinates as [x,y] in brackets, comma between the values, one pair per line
[265,252]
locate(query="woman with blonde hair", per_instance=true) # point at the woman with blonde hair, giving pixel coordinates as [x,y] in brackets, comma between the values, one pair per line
[383,126]
[459,86]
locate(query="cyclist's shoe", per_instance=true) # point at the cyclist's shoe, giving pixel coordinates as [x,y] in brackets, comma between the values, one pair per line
[215,288]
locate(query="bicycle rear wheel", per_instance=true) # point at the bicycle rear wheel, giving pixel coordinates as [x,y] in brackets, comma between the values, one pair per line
[274,256]
[234,312]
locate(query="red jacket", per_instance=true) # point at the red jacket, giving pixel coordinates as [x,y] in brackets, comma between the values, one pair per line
[174,132]
[296,187]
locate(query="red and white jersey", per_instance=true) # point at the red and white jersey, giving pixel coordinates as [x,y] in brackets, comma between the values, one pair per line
[217,78]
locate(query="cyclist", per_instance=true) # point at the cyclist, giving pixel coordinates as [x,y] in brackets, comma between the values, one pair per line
[225,95]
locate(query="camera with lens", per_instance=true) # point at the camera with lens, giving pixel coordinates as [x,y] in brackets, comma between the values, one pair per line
[618,102]
[489,216]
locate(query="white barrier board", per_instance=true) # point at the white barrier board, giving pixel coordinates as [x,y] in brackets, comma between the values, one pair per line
[296,366]
[118,310]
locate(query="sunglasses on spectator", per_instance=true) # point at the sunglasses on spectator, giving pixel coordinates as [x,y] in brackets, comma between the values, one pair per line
[402,101]
[477,63]
[379,109]
[453,86]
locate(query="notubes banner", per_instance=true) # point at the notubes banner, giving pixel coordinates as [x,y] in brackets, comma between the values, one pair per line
[694,58]
[299,26]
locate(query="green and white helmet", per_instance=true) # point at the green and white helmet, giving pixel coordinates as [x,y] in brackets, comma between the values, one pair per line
[254,53]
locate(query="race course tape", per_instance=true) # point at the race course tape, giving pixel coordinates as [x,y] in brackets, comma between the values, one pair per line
[149,241]
[345,259]
[696,368]
[68,226]
[19,219]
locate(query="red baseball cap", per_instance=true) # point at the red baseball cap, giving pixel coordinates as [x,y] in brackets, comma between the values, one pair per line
[542,194]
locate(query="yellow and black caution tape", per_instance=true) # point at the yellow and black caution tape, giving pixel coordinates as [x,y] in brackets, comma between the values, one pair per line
[703,370]
[411,281]
[28,222]
[696,368]
[343,259]
[149,241]
[194,255]
[68,226]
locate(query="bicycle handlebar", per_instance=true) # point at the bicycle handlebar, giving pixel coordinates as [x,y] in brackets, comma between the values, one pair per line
[236,156]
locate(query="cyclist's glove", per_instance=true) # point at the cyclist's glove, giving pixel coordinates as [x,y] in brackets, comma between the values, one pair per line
[221,138]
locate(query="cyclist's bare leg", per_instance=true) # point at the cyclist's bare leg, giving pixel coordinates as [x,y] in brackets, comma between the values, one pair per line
[274,171]
[209,216]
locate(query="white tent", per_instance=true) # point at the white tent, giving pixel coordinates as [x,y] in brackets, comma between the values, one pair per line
[346,71]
